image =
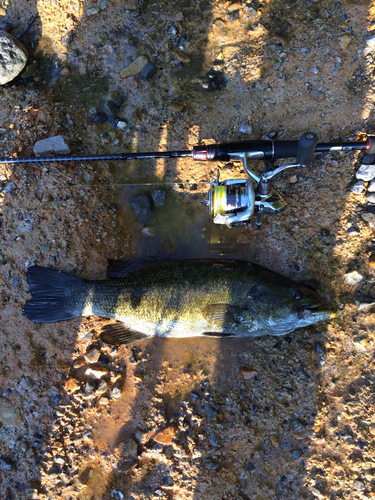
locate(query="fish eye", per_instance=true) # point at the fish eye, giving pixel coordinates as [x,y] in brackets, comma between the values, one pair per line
[297,296]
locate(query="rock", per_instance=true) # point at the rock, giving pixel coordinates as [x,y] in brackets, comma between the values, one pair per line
[352,278]
[62,365]
[246,128]
[122,125]
[370,41]
[293,179]
[72,385]
[89,389]
[104,401]
[248,374]
[97,372]
[368,159]
[371,187]
[93,11]
[149,231]
[100,118]
[135,67]
[317,493]
[358,485]
[344,41]
[148,71]
[370,197]
[166,436]
[358,187]
[158,197]
[296,454]
[8,415]
[92,355]
[371,261]
[128,449]
[55,144]
[182,57]
[103,387]
[366,172]
[316,95]
[116,393]
[369,218]
[13,57]
[141,206]
[9,188]
[176,106]
[3,11]
[314,70]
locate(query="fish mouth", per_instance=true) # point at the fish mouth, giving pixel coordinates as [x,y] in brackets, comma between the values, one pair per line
[315,310]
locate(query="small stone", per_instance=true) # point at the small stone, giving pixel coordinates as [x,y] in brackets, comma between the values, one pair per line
[317,494]
[368,159]
[370,41]
[358,187]
[366,172]
[358,485]
[316,95]
[9,188]
[149,231]
[158,197]
[218,66]
[247,374]
[135,67]
[246,128]
[97,372]
[141,206]
[128,449]
[371,261]
[181,56]
[86,177]
[175,106]
[293,179]
[93,11]
[55,144]
[344,41]
[296,454]
[92,355]
[62,365]
[79,362]
[122,125]
[3,11]
[8,415]
[116,393]
[148,71]
[370,197]
[314,70]
[369,218]
[103,387]
[352,278]
[100,118]
[13,57]
[72,385]
[166,436]
[89,389]
[104,401]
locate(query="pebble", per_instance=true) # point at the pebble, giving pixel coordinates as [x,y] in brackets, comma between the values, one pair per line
[158,197]
[316,95]
[128,449]
[344,41]
[370,41]
[293,179]
[72,385]
[366,172]
[92,355]
[8,415]
[103,387]
[166,436]
[148,71]
[176,106]
[358,485]
[55,144]
[122,125]
[370,197]
[317,493]
[371,261]
[3,11]
[93,11]
[141,206]
[358,187]
[246,128]
[368,159]
[314,70]
[116,393]
[247,374]
[13,57]
[296,454]
[97,372]
[352,278]
[149,231]
[134,67]
[369,218]
[9,188]
[62,365]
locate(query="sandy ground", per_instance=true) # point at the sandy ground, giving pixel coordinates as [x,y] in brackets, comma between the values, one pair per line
[276,418]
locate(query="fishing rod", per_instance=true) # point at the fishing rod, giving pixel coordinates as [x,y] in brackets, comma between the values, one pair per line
[234,202]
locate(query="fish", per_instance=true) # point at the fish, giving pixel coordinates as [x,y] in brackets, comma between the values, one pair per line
[177,298]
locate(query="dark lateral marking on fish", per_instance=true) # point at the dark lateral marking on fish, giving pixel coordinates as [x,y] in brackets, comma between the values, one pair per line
[119,334]
[52,298]
[218,334]
[136,297]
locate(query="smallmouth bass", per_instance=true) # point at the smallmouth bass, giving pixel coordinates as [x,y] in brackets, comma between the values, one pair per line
[171,298]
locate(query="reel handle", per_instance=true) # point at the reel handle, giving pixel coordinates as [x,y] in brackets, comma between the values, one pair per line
[306,148]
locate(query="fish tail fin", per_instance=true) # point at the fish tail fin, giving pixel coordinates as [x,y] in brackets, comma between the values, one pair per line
[53,297]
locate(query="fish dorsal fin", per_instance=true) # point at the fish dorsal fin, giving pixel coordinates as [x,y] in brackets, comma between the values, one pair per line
[221,315]
[119,334]
[122,268]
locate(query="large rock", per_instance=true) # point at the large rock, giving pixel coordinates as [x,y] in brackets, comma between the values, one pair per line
[55,144]
[13,57]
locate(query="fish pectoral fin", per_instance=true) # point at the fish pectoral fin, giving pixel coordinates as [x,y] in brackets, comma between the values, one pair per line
[119,334]
[221,315]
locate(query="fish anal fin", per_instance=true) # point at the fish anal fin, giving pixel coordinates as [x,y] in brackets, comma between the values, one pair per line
[119,334]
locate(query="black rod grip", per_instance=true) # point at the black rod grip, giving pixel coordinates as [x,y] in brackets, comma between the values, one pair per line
[306,148]
[370,148]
